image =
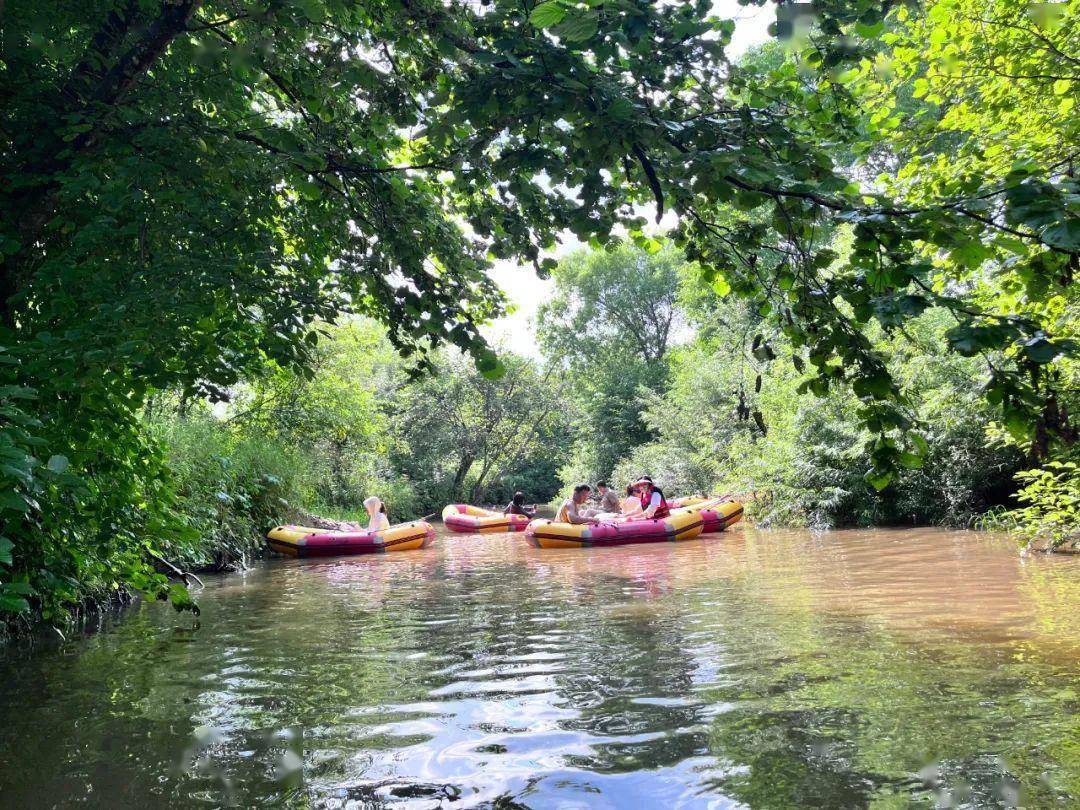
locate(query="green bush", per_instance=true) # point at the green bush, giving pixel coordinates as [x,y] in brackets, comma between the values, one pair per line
[75,525]
[807,467]
[230,488]
[1050,515]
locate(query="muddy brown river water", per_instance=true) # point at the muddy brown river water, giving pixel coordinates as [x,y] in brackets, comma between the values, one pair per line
[884,669]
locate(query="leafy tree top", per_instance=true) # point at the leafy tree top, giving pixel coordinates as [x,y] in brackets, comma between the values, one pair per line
[188,184]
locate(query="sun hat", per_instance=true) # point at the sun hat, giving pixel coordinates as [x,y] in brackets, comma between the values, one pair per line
[372,502]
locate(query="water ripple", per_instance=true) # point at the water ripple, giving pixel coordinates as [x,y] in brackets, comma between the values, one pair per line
[753,669]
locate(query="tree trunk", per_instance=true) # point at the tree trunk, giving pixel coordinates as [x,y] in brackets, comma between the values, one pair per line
[477,491]
[463,469]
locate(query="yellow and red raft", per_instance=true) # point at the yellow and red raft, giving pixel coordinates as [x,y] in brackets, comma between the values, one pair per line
[675,527]
[300,541]
[717,513]
[686,521]
[461,517]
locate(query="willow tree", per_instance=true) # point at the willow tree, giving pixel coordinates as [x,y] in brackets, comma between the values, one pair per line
[185,185]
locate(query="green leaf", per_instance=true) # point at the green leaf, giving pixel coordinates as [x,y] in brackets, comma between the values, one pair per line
[911,461]
[5,550]
[1017,423]
[547,14]
[1064,234]
[878,479]
[307,189]
[14,502]
[180,598]
[577,28]
[871,31]
[494,372]
[58,464]
[1040,350]
[878,386]
[921,447]
[312,9]
[13,604]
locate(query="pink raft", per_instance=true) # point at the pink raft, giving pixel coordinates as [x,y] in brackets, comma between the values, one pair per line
[679,525]
[716,513]
[301,541]
[461,517]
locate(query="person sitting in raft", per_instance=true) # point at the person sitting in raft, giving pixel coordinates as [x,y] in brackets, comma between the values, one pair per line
[570,511]
[376,510]
[608,506]
[627,509]
[631,504]
[517,506]
[609,501]
[653,503]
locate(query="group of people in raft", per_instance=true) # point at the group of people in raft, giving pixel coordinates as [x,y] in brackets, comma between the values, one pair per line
[643,501]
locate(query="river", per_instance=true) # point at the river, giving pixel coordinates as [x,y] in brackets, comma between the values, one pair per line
[884,668]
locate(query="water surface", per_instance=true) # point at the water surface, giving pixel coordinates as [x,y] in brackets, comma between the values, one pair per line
[879,669]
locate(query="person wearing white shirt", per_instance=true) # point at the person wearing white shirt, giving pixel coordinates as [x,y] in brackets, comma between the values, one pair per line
[376,510]
[653,502]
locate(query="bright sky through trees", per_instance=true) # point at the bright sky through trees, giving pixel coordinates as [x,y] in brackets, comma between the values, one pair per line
[522,286]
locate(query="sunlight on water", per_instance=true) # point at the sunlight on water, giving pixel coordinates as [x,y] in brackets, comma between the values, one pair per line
[764,669]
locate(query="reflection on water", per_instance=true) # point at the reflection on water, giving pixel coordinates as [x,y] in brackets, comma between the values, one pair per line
[762,669]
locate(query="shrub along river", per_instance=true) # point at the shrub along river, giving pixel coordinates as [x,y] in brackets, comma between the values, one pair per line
[764,669]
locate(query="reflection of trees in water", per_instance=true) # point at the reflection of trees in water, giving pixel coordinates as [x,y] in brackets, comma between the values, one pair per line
[71,721]
[356,676]
[803,758]
[606,649]
[627,675]
[834,712]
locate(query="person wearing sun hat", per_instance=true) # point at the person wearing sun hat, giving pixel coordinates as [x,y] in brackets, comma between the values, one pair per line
[653,502]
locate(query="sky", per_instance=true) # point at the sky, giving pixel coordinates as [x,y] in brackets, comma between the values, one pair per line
[521,285]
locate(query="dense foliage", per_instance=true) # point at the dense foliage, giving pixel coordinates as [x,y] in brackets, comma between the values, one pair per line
[605,333]
[187,186]
[287,446]
[731,414]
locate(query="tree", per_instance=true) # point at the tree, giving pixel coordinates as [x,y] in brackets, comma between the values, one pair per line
[462,432]
[978,103]
[611,304]
[732,420]
[608,329]
[336,414]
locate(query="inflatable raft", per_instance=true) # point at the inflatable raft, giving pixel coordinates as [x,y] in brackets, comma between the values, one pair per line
[300,541]
[681,525]
[717,513]
[460,517]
